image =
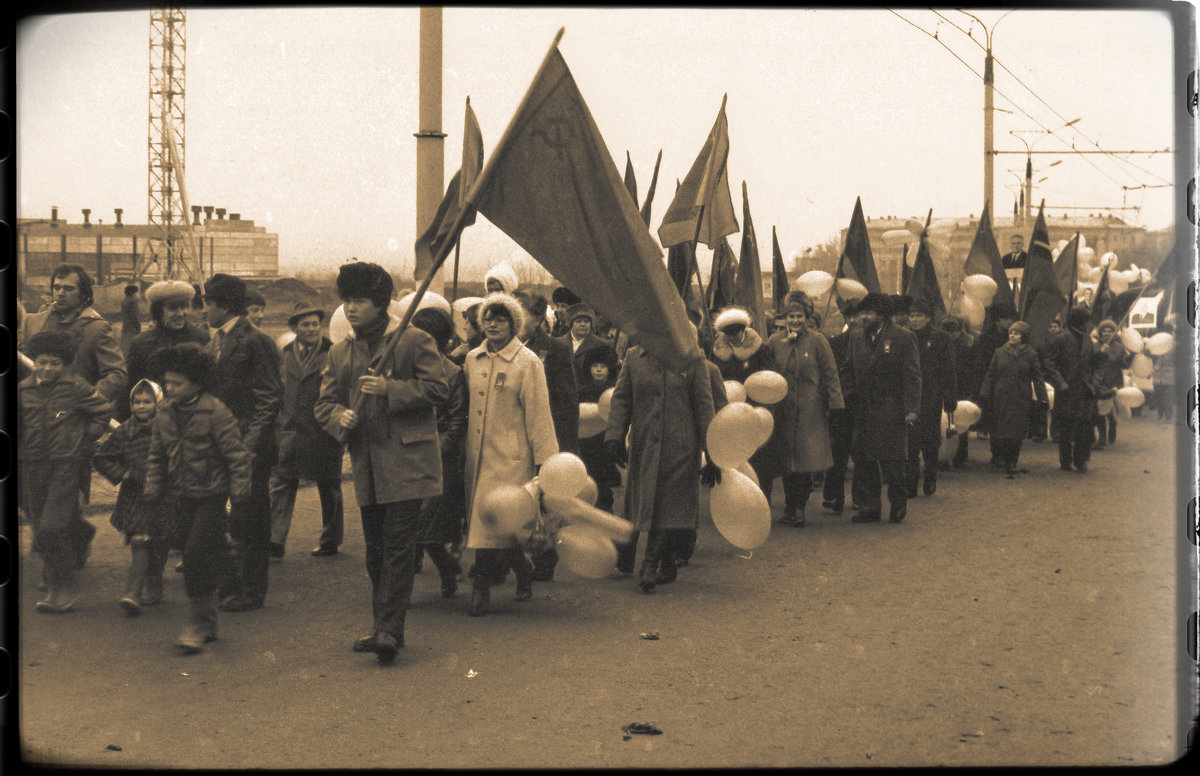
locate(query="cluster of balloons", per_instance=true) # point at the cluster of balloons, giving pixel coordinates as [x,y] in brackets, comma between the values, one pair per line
[739,509]
[937,238]
[977,292]
[1142,366]
[563,495]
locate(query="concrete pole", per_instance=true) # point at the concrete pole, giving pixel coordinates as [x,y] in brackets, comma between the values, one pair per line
[1028,214]
[989,148]
[430,138]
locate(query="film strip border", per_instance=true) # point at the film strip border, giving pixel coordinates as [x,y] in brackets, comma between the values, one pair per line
[1188,473]
[9,544]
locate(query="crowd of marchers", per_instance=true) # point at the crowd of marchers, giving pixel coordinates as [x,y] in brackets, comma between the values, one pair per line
[207,427]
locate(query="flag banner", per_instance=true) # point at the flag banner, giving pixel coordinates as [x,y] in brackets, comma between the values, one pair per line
[1066,273]
[679,266]
[650,191]
[472,161]
[856,261]
[630,180]
[923,283]
[552,187]
[779,276]
[1041,299]
[447,224]
[984,259]
[705,187]
[747,289]
[722,278]
[1102,298]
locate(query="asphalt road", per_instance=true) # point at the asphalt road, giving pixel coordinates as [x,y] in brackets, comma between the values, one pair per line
[1005,622]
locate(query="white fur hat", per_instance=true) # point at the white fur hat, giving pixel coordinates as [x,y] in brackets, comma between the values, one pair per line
[505,275]
[510,303]
[731,316]
[168,290]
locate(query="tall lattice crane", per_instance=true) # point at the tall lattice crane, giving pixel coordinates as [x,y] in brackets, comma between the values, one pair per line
[171,251]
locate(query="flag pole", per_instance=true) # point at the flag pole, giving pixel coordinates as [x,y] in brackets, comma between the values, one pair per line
[696,268]
[454,287]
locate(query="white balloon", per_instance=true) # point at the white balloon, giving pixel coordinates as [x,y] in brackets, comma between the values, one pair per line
[1108,259]
[1086,256]
[815,282]
[1129,397]
[284,339]
[586,551]
[894,238]
[1061,244]
[1117,282]
[740,510]
[732,435]
[748,470]
[938,251]
[970,310]
[766,387]
[734,391]
[1160,344]
[914,226]
[980,287]
[590,422]
[563,474]
[849,288]
[339,327]
[460,306]
[966,414]
[766,425]
[1094,274]
[1141,366]
[1131,338]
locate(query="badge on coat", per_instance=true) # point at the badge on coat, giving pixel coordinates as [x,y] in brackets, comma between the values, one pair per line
[500,381]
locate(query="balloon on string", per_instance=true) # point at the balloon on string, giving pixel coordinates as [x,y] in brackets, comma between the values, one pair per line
[1142,365]
[894,238]
[815,282]
[966,414]
[734,391]
[732,435]
[563,474]
[980,287]
[766,387]
[1086,256]
[1117,282]
[590,492]
[1160,344]
[1145,383]
[585,551]
[1104,406]
[1129,397]
[604,404]
[851,289]
[939,251]
[285,339]
[748,470]
[506,509]
[1094,275]
[766,425]
[577,511]
[914,226]
[740,510]
[590,422]
[970,310]
[1132,339]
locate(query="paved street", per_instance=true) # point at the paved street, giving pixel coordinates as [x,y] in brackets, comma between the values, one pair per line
[1022,622]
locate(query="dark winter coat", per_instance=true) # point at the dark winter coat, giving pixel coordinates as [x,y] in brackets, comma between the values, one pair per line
[1069,359]
[61,420]
[559,367]
[591,449]
[590,342]
[800,440]
[247,383]
[306,451]
[98,357]
[738,363]
[122,460]
[1108,377]
[881,383]
[141,358]
[666,413]
[939,384]
[196,453]
[1006,389]
[442,516]
[394,450]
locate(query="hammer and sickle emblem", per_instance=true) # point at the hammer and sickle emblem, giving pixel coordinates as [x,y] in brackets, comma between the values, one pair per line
[556,133]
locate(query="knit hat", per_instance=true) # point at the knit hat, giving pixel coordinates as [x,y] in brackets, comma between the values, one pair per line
[52,343]
[143,384]
[731,316]
[225,288]
[880,303]
[509,303]
[303,308]
[505,275]
[170,291]
[365,280]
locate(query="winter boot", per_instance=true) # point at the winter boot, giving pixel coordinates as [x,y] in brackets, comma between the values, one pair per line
[202,624]
[139,550]
[648,577]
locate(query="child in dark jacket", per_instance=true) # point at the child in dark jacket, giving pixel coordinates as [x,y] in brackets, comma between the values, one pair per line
[122,460]
[197,455]
[601,367]
[61,417]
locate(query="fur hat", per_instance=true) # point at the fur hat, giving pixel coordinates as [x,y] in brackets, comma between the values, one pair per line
[365,280]
[303,308]
[731,316]
[921,305]
[564,295]
[131,289]
[170,291]
[580,310]
[880,303]
[505,275]
[189,360]
[510,304]
[144,384]
[1020,326]
[52,343]
[1078,318]
[604,355]
[951,324]
[254,296]
[798,300]
[901,304]
[1109,322]
[221,287]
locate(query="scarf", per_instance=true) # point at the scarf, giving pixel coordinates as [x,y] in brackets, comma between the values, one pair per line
[374,420]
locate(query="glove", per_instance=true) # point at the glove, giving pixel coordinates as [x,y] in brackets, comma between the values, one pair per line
[710,474]
[615,449]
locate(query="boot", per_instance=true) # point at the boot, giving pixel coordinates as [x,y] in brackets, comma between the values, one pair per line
[930,482]
[480,598]
[152,589]
[139,550]
[648,576]
[202,624]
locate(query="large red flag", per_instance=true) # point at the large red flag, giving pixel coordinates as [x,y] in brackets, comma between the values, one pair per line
[1041,298]
[705,187]
[650,191]
[723,277]
[552,187]
[779,276]
[630,179]
[923,283]
[1066,272]
[984,259]
[454,212]
[856,261]
[747,289]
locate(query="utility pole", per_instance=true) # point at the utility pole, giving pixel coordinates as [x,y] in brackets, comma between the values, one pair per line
[989,81]
[430,138]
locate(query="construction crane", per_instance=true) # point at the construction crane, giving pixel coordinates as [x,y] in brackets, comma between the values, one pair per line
[172,250]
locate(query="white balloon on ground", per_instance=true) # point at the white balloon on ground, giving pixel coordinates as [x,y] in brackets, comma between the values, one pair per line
[734,391]
[732,435]
[1160,344]
[586,551]
[815,282]
[604,405]
[1132,339]
[766,387]
[740,510]
[1129,397]
[590,422]
[563,474]
[849,288]
[980,287]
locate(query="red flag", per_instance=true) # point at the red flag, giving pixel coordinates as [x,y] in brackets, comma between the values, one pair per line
[472,160]
[1102,298]
[923,282]
[650,191]
[856,261]
[630,180]
[705,187]
[1066,272]
[552,187]
[779,276]
[1041,298]
[723,277]
[454,212]
[984,259]
[747,289]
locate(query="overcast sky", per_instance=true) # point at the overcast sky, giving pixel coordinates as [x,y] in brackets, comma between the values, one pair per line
[303,119]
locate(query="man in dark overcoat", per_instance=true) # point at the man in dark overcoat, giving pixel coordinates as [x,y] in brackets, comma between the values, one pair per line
[306,451]
[841,421]
[881,382]
[939,391]
[1069,358]
[247,383]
